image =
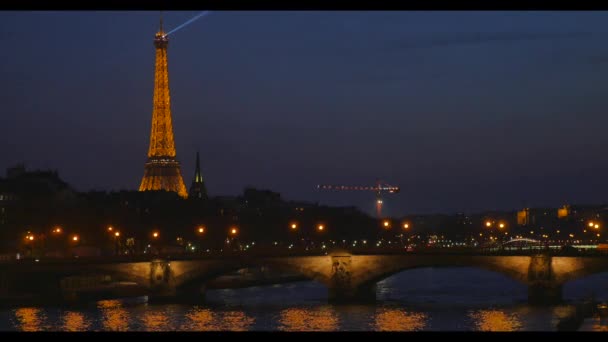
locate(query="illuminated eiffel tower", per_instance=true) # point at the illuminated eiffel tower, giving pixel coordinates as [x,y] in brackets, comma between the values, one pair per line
[162,171]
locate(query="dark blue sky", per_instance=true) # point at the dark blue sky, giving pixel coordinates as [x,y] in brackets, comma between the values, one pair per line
[465,111]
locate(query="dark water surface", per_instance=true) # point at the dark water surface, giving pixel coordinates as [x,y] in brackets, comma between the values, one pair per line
[454,299]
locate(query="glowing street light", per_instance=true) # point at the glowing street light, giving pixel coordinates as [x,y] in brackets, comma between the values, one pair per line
[596,226]
[294,226]
[117,234]
[201,230]
[320,227]
[75,238]
[406,226]
[57,230]
[233,231]
[386,224]
[110,228]
[501,225]
[155,235]
[30,237]
[488,224]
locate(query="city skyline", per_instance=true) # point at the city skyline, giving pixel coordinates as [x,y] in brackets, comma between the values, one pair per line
[285,105]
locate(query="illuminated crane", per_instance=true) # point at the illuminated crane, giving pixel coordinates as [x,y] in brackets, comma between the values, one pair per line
[379,188]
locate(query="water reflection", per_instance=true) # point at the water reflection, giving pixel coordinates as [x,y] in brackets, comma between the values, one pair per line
[203,319]
[235,321]
[303,319]
[199,319]
[30,319]
[399,320]
[156,320]
[74,321]
[495,320]
[114,316]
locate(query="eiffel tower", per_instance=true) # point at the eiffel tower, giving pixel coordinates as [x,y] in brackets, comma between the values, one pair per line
[162,171]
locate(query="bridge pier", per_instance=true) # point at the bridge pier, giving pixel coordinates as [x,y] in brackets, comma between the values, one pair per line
[543,289]
[342,288]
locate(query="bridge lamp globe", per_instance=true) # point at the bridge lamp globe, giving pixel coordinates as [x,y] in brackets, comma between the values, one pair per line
[293,226]
[201,230]
[406,226]
[233,231]
[320,227]
[488,224]
[590,224]
[155,235]
[386,224]
[596,226]
[501,225]
[117,234]
[110,228]
[75,238]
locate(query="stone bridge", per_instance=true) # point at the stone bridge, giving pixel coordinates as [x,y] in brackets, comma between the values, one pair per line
[348,277]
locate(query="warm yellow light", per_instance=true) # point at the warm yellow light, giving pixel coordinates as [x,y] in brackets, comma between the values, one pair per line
[110,228]
[571,235]
[598,235]
[155,234]
[591,224]
[406,225]
[320,227]
[597,226]
[57,230]
[386,223]
[488,223]
[201,230]
[75,238]
[501,225]
[294,226]
[233,231]
[117,234]
[31,237]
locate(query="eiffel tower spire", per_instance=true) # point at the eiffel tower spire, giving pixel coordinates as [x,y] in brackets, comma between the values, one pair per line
[162,170]
[198,189]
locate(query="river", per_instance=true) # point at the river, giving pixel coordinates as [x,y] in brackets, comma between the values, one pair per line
[427,299]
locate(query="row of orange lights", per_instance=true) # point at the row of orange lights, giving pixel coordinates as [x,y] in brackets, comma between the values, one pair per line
[387,225]
[294,226]
[500,224]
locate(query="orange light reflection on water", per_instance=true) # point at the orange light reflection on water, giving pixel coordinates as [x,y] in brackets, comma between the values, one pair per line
[495,320]
[298,319]
[114,317]
[30,319]
[75,321]
[399,320]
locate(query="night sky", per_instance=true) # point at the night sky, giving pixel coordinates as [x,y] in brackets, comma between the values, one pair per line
[466,111]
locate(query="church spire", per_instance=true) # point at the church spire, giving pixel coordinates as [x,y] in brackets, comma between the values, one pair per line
[198,189]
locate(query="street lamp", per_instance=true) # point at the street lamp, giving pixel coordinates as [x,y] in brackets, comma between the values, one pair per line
[110,228]
[57,230]
[233,231]
[155,235]
[488,224]
[386,224]
[320,227]
[75,238]
[201,230]
[117,234]
[406,226]
[294,226]
[501,225]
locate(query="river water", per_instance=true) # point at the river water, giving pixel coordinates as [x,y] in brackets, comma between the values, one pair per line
[428,299]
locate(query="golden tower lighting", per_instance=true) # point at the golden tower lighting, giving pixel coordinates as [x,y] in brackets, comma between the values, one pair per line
[162,170]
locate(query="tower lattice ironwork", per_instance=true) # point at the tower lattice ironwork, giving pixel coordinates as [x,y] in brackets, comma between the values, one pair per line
[162,170]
